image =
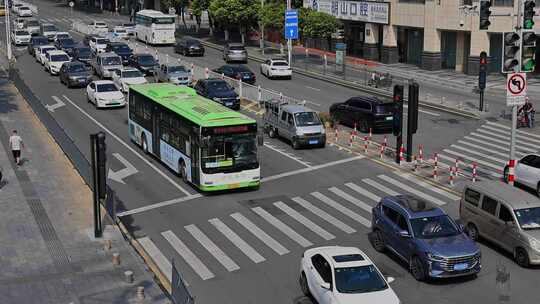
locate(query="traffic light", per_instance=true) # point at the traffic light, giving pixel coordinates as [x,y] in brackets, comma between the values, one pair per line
[397,125]
[412,110]
[528,50]
[485,12]
[510,52]
[101,165]
[482,75]
[528,14]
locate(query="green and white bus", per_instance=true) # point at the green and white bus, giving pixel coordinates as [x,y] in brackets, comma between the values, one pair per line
[207,144]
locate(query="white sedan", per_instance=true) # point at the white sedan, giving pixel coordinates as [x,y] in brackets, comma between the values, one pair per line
[41,52]
[527,172]
[125,77]
[54,61]
[24,11]
[272,68]
[20,37]
[61,35]
[105,94]
[343,275]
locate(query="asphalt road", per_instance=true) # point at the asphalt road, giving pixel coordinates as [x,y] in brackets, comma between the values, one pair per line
[302,189]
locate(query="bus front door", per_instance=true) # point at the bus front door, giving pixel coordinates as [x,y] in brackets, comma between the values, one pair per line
[156,132]
[195,164]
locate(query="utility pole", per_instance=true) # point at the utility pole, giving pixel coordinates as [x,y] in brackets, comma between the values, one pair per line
[8,32]
[261,41]
[289,41]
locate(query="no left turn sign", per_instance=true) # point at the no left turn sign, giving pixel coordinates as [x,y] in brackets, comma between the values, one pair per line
[516,84]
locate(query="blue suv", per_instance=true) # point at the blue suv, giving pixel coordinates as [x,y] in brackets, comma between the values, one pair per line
[425,237]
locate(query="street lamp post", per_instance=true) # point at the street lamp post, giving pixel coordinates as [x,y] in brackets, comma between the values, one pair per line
[289,41]
[8,35]
[261,41]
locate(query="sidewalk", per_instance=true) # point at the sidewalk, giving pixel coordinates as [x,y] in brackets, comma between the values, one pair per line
[48,253]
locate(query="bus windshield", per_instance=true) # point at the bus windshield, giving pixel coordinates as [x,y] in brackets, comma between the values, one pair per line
[230,153]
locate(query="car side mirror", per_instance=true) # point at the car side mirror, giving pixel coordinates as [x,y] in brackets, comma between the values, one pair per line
[390,280]
[325,285]
[404,234]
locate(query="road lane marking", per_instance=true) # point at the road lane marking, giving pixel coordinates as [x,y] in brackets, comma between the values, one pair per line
[119,175]
[469,150]
[288,231]
[212,248]
[305,221]
[165,176]
[508,128]
[312,88]
[353,200]
[479,161]
[480,143]
[260,234]
[159,205]
[324,215]
[293,157]
[502,142]
[348,212]
[526,138]
[189,257]
[157,256]
[411,190]
[312,168]
[415,180]
[479,169]
[380,187]
[52,107]
[364,192]
[251,253]
[507,138]
[424,111]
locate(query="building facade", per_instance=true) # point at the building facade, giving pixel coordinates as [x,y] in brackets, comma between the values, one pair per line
[433,34]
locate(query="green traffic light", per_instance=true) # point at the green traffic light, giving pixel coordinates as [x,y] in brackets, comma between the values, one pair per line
[528,24]
[528,66]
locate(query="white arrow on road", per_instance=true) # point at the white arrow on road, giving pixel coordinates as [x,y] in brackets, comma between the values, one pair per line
[119,176]
[59,103]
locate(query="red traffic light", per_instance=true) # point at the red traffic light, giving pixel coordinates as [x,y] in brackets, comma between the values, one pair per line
[397,98]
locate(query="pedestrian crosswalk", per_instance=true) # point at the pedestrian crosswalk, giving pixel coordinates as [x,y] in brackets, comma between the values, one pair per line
[262,232]
[488,147]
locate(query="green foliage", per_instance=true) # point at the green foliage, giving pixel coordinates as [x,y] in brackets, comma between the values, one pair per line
[176,4]
[273,15]
[199,6]
[319,24]
[242,13]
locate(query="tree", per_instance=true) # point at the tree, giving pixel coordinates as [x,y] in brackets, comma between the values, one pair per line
[319,25]
[178,5]
[272,15]
[229,13]
[198,7]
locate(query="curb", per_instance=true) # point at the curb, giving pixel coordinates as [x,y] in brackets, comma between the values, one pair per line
[357,87]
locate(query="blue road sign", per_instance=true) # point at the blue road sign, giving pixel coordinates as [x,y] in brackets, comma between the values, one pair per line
[291,24]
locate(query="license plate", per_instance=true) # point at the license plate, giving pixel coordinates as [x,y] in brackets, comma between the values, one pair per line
[82,80]
[389,118]
[313,142]
[461,266]
[228,103]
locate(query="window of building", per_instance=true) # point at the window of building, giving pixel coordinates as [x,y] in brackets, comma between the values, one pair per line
[413,1]
[466,2]
[509,3]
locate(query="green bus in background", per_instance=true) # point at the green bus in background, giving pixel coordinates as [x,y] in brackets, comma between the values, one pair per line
[207,144]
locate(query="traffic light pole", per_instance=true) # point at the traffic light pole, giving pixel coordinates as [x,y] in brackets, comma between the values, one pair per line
[95,183]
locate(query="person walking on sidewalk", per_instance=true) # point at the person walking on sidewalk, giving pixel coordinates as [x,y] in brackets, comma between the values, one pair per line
[16,144]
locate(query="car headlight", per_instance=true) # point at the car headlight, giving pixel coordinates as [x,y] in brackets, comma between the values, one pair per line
[535,244]
[434,257]
[101,99]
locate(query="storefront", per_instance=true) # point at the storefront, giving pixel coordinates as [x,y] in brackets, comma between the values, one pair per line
[363,24]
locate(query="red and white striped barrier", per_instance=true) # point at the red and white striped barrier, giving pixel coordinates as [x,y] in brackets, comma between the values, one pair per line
[381,151]
[456,166]
[355,133]
[401,158]
[336,133]
[451,176]
[435,161]
[421,154]
[474,172]
[511,164]
[365,144]
[351,137]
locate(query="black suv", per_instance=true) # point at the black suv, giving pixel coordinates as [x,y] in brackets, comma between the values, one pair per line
[146,63]
[66,45]
[364,113]
[75,74]
[82,53]
[219,91]
[36,41]
[189,47]
[237,72]
[121,49]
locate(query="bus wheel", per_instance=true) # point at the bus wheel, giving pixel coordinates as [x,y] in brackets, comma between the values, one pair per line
[144,144]
[183,172]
